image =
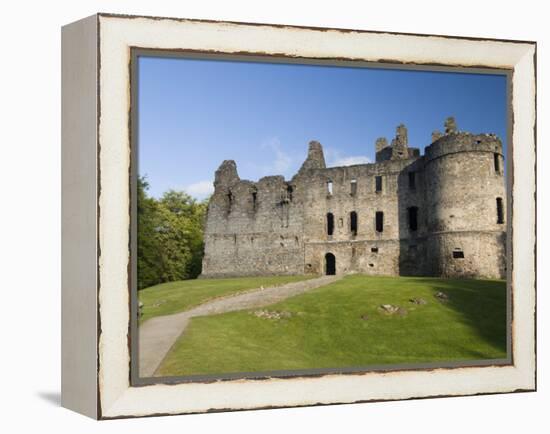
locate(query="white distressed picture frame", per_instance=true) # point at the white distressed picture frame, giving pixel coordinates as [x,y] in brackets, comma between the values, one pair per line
[96,378]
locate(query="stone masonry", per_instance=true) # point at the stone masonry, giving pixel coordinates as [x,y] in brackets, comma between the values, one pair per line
[438,214]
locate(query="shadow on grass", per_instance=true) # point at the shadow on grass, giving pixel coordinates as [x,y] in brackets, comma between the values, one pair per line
[481,305]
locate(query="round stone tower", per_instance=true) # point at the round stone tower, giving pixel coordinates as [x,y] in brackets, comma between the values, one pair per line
[465,205]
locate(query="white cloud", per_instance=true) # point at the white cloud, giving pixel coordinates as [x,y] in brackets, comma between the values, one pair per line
[350,161]
[282,161]
[335,158]
[275,160]
[271,159]
[201,189]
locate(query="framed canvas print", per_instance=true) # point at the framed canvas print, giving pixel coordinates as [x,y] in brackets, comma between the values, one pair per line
[262,216]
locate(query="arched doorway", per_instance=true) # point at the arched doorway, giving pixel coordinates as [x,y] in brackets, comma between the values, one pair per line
[330,264]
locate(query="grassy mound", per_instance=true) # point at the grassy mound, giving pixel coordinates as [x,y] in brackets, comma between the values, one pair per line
[343,325]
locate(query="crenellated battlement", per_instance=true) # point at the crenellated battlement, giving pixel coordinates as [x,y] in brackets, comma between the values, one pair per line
[463,142]
[454,141]
[398,149]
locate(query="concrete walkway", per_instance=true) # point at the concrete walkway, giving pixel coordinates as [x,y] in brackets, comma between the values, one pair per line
[157,335]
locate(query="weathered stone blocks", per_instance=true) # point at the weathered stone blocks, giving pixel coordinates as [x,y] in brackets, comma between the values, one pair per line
[275,226]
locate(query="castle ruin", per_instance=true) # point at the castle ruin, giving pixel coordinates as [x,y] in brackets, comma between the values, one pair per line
[438,214]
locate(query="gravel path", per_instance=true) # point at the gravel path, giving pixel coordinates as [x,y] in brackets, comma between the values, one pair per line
[157,335]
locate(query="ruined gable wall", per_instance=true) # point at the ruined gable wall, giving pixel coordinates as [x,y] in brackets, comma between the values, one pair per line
[253,229]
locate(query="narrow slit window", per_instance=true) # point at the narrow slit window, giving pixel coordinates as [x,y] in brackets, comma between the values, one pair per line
[379,221]
[353,187]
[254,200]
[413,218]
[329,188]
[229,201]
[289,191]
[500,211]
[378,183]
[330,223]
[412,180]
[496,160]
[353,222]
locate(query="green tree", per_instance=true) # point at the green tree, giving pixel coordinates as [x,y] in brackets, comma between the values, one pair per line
[170,236]
[147,244]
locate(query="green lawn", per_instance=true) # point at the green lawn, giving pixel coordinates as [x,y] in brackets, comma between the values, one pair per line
[326,329]
[173,297]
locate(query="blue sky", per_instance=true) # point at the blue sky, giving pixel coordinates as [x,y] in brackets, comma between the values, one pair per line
[193,114]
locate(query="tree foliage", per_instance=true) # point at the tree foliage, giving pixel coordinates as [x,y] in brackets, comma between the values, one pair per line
[170,242]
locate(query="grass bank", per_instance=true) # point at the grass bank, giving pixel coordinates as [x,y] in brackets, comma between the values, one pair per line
[342,325]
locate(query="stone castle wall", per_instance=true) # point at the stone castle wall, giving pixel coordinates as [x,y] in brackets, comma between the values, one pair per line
[275,226]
